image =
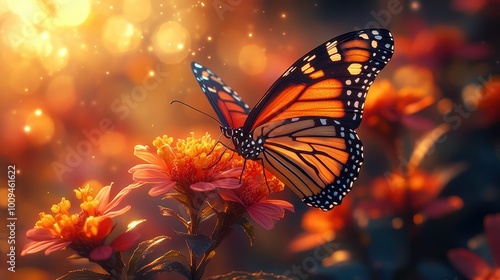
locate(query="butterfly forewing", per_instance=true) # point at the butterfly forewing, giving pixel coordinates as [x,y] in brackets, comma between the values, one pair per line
[228,105]
[331,81]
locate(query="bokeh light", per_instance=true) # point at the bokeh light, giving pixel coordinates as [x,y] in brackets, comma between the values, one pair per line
[120,35]
[39,127]
[252,59]
[171,42]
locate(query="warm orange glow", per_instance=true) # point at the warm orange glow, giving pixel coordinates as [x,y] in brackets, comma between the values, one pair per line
[252,59]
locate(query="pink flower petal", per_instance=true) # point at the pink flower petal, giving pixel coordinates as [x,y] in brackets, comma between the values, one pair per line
[40,234]
[116,201]
[150,176]
[234,173]
[101,253]
[161,188]
[149,155]
[267,212]
[229,183]
[492,229]
[468,263]
[111,214]
[203,186]
[145,166]
[48,245]
[442,207]
[125,241]
[229,195]
[57,247]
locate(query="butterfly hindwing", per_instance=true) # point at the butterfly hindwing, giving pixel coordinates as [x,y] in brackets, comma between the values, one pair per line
[317,158]
[228,105]
[330,81]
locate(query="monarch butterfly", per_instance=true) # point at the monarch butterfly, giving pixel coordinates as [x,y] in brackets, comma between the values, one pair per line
[303,128]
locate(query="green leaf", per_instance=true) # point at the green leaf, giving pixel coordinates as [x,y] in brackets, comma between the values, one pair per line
[143,249]
[171,261]
[85,274]
[247,228]
[169,212]
[241,275]
[199,243]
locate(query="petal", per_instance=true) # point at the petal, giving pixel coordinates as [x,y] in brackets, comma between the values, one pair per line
[57,247]
[106,209]
[268,212]
[161,188]
[203,186]
[49,246]
[442,207]
[229,195]
[101,253]
[234,172]
[125,241]
[468,263]
[492,229]
[41,234]
[145,166]
[229,183]
[103,197]
[150,176]
[149,155]
[111,214]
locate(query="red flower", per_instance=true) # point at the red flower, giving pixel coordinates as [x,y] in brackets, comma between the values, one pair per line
[471,265]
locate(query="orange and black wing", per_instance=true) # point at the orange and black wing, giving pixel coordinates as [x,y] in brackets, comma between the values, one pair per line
[317,158]
[331,81]
[228,105]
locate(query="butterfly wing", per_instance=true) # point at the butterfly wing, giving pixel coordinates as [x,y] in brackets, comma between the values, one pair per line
[228,105]
[331,81]
[317,158]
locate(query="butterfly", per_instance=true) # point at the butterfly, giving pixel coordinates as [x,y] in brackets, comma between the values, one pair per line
[303,129]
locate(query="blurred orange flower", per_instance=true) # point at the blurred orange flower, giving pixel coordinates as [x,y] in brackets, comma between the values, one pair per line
[473,266]
[391,104]
[417,192]
[185,164]
[253,195]
[320,227]
[83,232]
[436,45]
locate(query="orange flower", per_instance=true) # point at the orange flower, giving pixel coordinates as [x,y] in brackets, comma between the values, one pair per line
[84,232]
[188,163]
[396,102]
[253,195]
[321,227]
[471,265]
[417,192]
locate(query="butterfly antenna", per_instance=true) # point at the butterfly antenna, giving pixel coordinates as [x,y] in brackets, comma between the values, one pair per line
[197,110]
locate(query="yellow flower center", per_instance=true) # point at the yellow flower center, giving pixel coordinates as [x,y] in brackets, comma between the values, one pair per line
[188,161]
[73,226]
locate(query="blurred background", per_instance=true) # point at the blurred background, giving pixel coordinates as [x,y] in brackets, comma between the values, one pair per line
[84,81]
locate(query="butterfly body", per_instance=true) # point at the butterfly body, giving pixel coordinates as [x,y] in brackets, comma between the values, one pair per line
[303,128]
